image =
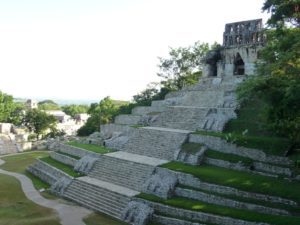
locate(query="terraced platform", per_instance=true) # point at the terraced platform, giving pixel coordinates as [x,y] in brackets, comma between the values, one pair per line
[118,178]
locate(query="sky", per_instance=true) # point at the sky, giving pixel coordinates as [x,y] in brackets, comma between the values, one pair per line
[89,49]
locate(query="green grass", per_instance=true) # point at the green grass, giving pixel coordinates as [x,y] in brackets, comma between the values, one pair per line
[137,126]
[101,219]
[292,209]
[270,145]
[90,147]
[228,157]
[16,209]
[252,116]
[18,163]
[69,155]
[241,180]
[193,205]
[191,148]
[63,167]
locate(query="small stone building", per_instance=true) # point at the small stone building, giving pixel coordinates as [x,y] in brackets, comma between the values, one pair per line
[239,52]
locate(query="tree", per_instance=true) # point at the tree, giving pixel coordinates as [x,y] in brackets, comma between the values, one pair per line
[279,70]
[100,113]
[73,110]
[48,105]
[283,11]
[183,67]
[10,112]
[39,122]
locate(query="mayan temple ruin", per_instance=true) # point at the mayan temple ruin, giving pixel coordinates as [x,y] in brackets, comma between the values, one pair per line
[146,141]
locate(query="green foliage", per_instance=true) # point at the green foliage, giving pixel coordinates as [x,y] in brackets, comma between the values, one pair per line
[279,68]
[252,116]
[283,11]
[183,67]
[48,105]
[38,121]
[100,113]
[270,145]
[73,110]
[10,112]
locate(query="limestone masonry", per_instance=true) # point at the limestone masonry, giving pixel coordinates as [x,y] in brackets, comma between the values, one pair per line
[154,135]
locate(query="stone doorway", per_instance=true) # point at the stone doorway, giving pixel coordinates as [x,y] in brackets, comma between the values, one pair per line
[239,65]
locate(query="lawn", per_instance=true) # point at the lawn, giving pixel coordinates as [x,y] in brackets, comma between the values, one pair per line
[18,163]
[16,209]
[90,147]
[223,211]
[228,157]
[241,180]
[63,167]
[270,145]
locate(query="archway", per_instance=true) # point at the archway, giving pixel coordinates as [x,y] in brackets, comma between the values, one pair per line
[239,65]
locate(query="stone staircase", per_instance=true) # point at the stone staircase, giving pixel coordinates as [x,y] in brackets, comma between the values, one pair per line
[93,194]
[121,172]
[117,178]
[157,142]
[194,118]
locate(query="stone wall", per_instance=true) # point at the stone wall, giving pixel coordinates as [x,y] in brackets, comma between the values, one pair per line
[79,152]
[190,180]
[63,159]
[47,173]
[213,199]
[221,145]
[196,216]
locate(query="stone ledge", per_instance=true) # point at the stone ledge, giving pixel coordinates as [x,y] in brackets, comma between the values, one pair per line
[218,144]
[79,152]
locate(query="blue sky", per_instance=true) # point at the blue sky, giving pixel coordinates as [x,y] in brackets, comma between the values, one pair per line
[88,49]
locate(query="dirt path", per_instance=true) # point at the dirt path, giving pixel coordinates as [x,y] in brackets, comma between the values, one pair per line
[69,215]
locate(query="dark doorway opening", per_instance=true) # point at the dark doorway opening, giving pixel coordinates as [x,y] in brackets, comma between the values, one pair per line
[239,65]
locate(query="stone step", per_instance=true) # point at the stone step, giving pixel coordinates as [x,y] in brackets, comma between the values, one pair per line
[195,216]
[137,158]
[98,198]
[146,110]
[189,180]
[63,158]
[121,172]
[223,201]
[107,130]
[194,118]
[128,119]
[87,202]
[164,220]
[42,174]
[218,98]
[94,194]
[259,168]
[161,143]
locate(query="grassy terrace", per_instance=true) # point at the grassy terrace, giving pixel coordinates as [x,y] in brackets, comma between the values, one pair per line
[241,180]
[67,169]
[227,157]
[90,147]
[193,205]
[292,209]
[270,145]
[66,154]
